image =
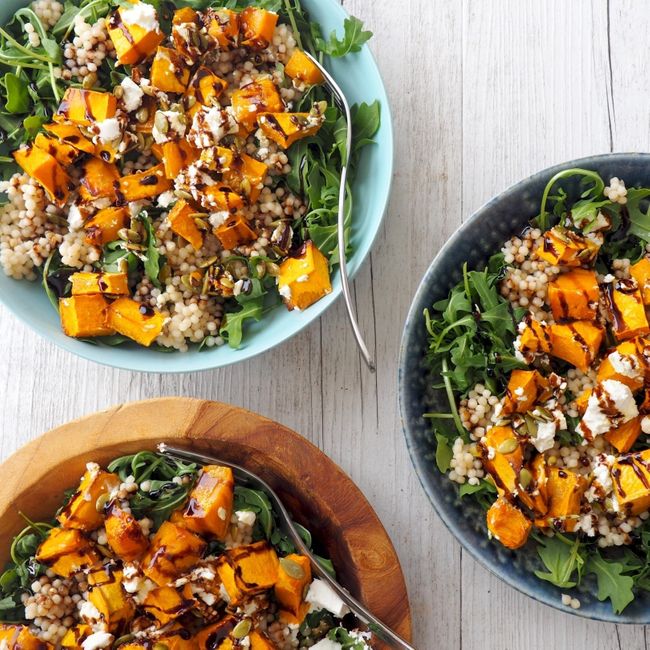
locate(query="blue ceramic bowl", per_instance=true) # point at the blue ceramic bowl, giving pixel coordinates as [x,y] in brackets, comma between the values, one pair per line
[360,80]
[479,237]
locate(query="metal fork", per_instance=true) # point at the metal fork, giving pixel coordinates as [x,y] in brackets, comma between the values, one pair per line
[344,107]
[246,477]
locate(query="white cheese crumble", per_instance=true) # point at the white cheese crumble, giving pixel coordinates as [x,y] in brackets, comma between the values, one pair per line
[109,130]
[285,291]
[626,365]
[216,219]
[75,218]
[175,126]
[327,644]
[89,612]
[645,424]
[132,94]
[246,517]
[595,420]
[545,438]
[141,14]
[97,640]
[211,125]
[321,596]
[166,199]
[601,474]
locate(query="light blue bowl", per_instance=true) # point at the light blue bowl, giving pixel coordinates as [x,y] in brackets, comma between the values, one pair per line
[359,78]
[479,237]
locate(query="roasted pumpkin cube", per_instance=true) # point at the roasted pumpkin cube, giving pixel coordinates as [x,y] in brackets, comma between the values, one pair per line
[98,180]
[82,511]
[169,72]
[173,550]
[205,638]
[525,387]
[18,637]
[503,458]
[124,534]
[294,575]
[183,224]
[217,159]
[508,524]
[185,15]
[107,595]
[209,508]
[44,168]
[204,89]
[564,489]
[133,41]
[577,343]
[574,295]
[623,437]
[626,309]
[224,27]
[259,641]
[582,400]
[631,478]
[105,225]
[65,154]
[257,97]
[624,365]
[535,337]
[245,175]
[116,284]
[75,636]
[135,320]
[641,273]
[301,68]
[146,184]
[287,128]
[221,197]
[84,107]
[176,156]
[235,232]
[304,277]
[166,604]
[256,27]
[66,551]
[83,316]
[71,134]
[540,479]
[561,246]
[248,570]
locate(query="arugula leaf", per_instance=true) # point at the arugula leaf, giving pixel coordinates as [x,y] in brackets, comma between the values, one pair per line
[444,453]
[257,502]
[232,329]
[483,487]
[153,260]
[354,36]
[366,120]
[563,559]
[32,125]
[17,98]
[613,584]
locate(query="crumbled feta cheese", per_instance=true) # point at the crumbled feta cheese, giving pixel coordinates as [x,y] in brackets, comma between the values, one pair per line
[519,391]
[141,14]
[97,640]
[601,474]
[285,291]
[625,364]
[211,125]
[175,126]
[89,612]
[645,424]
[622,397]
[216,219]
[132,94]
[302,278]
[246,517]
[545,438]
[595,420]
[222,513]
[166,199]
[327,644]
[609,278]
[109,129]
[75,218]
[321,596]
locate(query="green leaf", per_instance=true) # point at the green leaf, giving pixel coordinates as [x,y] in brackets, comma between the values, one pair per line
[153,260]
[366,119]
[353,39]
[639,220]
[32,125]
[613,584]
[483,487]
[232,329]
[17,96]
[563,559]
[258,502]
[444,453]
[7,603]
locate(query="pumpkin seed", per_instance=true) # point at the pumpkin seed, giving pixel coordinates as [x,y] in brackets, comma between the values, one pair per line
[164,104]
[199,215]
[242,629]
[101,502]
[160,122]
[147,89]
[123,233]
[190,101]
[209,262]
[272,269]
[195,38]
[164,274]
[204,40]
[206,284]
[508,446]
[160,646]
[118,91]
[182,194]
[140,138]
[525,477]
[531,425]
[545,414]
[123,266]
[227,282]
[134,236]
[503,422]
[292,568]
[136,247]
[142,114]
[125,638]
[89,80]
[261,270]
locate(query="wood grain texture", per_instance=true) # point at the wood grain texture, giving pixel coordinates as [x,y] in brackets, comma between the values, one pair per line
[483,93]
[316,491]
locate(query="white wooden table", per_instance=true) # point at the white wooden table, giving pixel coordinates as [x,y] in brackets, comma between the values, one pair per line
[483,93]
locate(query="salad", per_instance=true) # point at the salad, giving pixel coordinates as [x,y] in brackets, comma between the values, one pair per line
[172,166]
[154,552]
[544,357]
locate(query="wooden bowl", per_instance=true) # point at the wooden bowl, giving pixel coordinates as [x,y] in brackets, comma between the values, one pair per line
[319,494]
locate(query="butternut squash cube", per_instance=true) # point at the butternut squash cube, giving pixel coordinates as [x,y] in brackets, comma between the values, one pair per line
[173,550]
[631,478]
[185,15]
[287,128]
[83,316]
[133,42]
[631,366]
[224,27]
[289,618]
[221,197]
[176,156]
[235,232]
[626,309]
[260,641]
[574,295]
[44,168]
[641,273]
[565,489]
[107,595]
[217,159]
[257,97]
[166,604]
[301,68]
[75,636]
[524,389]
[82,510]
[294,575]
[18,637]
[245,175]
[66,551]
[535,337]
[71,134]
[115,284]
[99,180]
[623,437]
[538,471]
[567,248]
[124,534]
[146,184]
[582,400]
[169,72]
[135,320]
[65,154]
[304,278]
[503,458]
[205,88]
[209,508]
[248,570]
[87,106]
[257,27]
[508,524]
[183,224]
[105,225]
[577,343]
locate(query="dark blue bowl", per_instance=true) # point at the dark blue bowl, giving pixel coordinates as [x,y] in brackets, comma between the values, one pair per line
[479,237]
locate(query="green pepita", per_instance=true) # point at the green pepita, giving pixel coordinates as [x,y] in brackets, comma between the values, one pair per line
[508,446]
[209,262]
[242,629]
[525,478]
[123,233]
[531,425]
[182,194]
[89,80]
[292,568]
[160,122]
[101,502]
[160,646]
[142,115]
[272,269]
[118,91]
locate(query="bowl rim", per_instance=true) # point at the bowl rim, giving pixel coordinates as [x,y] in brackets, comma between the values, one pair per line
[419,464]
[355,261]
